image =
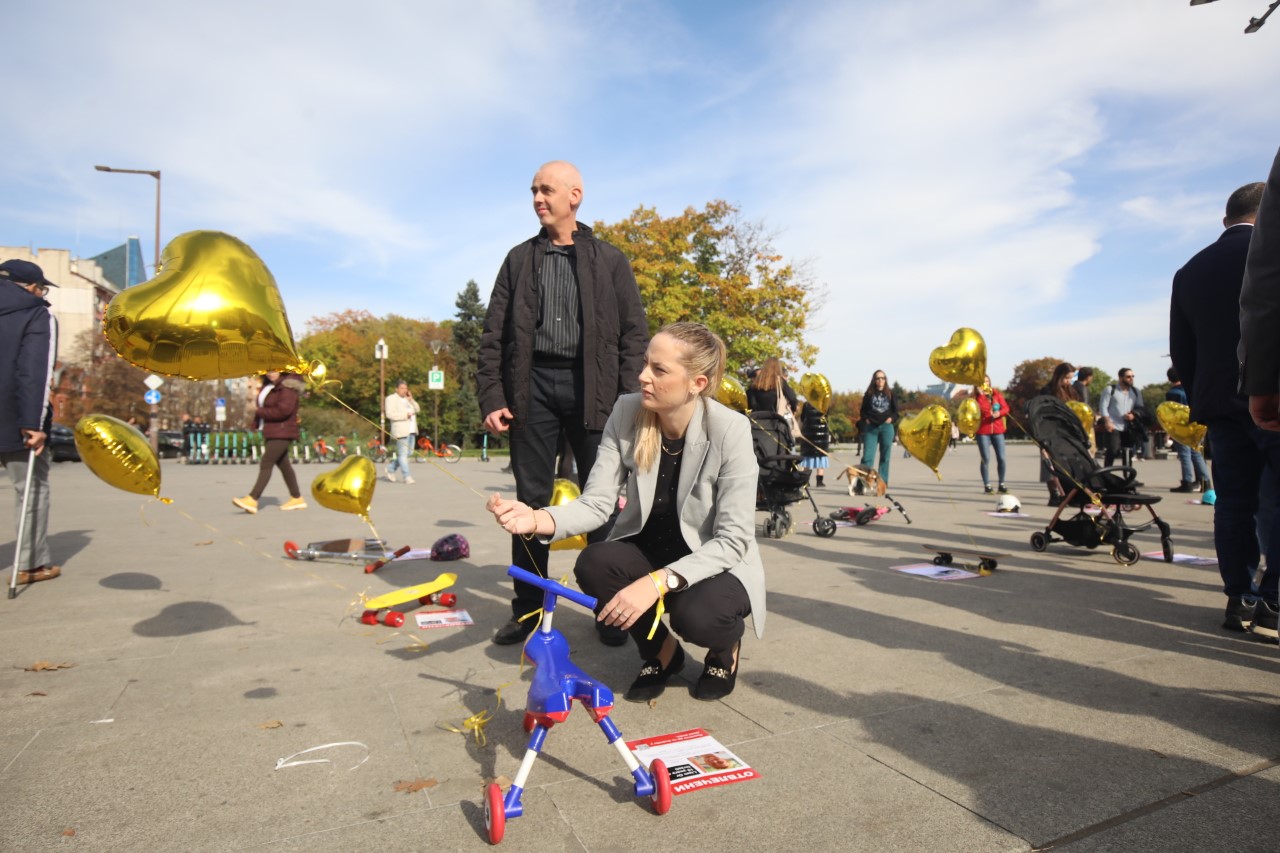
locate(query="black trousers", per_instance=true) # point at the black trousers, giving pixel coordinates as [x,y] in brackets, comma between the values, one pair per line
[710,614]
[1119,444]
[555,410]
[276,455]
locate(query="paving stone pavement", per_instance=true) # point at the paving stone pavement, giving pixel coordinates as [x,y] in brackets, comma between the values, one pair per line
[1063,701]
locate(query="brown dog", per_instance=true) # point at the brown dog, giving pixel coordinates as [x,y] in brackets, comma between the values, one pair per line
[871,482]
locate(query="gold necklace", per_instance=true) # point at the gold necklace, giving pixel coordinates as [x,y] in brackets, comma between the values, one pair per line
[668,452]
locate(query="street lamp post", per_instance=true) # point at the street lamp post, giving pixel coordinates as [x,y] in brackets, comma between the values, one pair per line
[155,174]
[436,346]
[380,353]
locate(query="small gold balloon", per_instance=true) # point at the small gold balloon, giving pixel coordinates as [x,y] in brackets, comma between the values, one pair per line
[212,312]
[347,488]
[119,454]
[318,377]
[816,390]
[732,394]
[969,416]
[563,492]
[1085,414]
[963,360]
[1176,420]
[926,435]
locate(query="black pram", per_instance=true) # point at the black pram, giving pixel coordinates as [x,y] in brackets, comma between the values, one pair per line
[1109,492]
[782,481]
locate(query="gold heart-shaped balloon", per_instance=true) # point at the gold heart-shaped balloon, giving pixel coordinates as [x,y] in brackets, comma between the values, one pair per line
[119,454]
[1085,414]
[347,488]
[969,416]
[563,492]
[732,394]
[212,312]
[1176,420]
[963,360]
[816,390]
[926,435]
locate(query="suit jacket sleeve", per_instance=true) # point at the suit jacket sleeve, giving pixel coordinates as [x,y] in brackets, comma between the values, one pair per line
[1259,350]
[1182,341]
[633,327]
[489,357]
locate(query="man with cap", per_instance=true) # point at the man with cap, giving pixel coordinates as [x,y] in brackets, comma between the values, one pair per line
[28,349]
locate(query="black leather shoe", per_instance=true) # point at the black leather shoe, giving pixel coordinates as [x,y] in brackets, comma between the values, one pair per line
[1184,487]
[715,683]
[653,678]
[514,632]
[611,635]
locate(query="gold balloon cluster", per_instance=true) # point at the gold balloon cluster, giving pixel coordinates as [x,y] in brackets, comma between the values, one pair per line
[1085,414]
[118,454]
[732,394]
[816,390]
[212,312]
[563,492]
[1176,420]
[347,488]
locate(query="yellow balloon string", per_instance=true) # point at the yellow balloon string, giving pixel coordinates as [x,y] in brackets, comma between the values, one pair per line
[477,721]
[657,620]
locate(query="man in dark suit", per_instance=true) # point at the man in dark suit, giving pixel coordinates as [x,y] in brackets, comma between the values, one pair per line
[1204,326]
[1260,310]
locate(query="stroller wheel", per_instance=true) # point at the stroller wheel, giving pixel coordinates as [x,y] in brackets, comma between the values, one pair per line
[768,528]
[1125,554]
[865,517]
[1166,545]
[824,527]
[1039,542]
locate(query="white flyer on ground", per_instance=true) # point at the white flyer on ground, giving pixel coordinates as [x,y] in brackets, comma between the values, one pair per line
[1185,559]
[937,573]
[415,554]
[694,760]
[443,618]
[1009,514]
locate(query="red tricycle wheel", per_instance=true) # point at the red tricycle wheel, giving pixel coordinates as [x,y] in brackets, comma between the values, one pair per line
[448,599]
[495,813]
[369,617]
[393,619]
[661,798]
[291,549]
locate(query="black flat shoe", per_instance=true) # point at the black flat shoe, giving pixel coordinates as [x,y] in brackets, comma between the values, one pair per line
[653,678]
[716,682]
[514,632]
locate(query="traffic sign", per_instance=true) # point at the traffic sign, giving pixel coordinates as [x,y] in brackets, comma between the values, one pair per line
[435,380]
[152,381]
[220,414]
[152,396]
[221,401]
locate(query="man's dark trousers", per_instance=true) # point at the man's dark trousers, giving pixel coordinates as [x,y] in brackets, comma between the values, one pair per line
[1242,455]
[555,406]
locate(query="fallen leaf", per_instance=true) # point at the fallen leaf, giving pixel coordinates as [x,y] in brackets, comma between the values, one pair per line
[45,666]
[38,693]
[415,785]
[274,724]
[205,542]
[69,833]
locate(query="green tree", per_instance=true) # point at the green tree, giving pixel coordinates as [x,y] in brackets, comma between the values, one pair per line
[1100,380]
[1153,395]
[1028,378]
[468,325]
[711,266]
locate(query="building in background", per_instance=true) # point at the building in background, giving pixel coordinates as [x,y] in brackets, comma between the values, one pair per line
[123,265]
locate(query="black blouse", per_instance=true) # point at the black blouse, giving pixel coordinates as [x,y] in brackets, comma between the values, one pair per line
[660,539]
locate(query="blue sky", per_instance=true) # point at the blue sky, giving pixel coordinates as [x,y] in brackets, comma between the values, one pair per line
[1034,169]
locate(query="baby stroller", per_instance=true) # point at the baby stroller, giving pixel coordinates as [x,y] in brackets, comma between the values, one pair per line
[782,481]
[1111,490]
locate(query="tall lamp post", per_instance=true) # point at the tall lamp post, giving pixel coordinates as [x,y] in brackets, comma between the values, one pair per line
[155,174]
[436,383]
[380,353]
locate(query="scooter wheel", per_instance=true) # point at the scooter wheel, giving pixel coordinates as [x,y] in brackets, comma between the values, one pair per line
[661,798]
[495,813]
[393,619]
[448,599]
[369,617]
[291,549]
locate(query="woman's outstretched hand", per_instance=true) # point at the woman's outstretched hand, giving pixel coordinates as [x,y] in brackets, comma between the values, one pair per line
[629,604]
[512,516]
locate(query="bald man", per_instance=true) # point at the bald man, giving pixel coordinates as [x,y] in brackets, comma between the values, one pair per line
[565,335]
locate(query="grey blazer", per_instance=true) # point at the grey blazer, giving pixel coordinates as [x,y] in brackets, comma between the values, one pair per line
[715,498]
[1259,349]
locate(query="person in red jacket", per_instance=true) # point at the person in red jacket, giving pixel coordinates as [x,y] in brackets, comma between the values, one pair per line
[277,417]
[991,432]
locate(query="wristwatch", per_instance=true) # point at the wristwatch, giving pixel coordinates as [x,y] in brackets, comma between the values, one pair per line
[674,581]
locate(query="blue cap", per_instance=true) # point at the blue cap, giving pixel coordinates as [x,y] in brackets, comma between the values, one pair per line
[24,272]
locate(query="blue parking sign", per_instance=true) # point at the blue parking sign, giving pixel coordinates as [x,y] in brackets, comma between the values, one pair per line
[152,397]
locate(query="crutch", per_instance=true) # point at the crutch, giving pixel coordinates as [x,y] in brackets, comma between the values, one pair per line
[22,522]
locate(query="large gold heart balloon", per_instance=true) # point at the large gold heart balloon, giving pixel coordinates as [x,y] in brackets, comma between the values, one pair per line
[732,394]
[926,435]
[563,492]
[963,360]
[969,416]
[816,390]
[1085,414]
[212,312]
[347,488]
[119,454]
[1176,420]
